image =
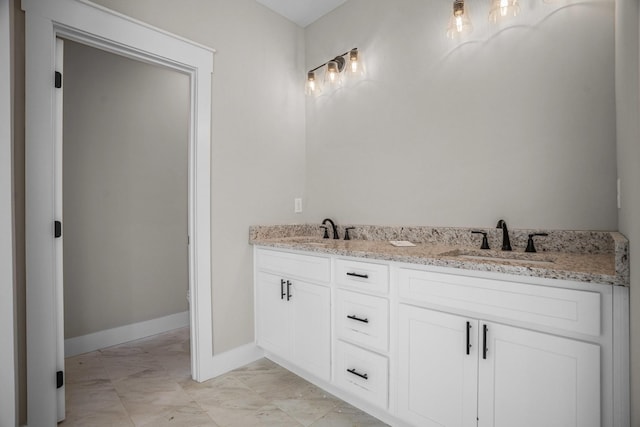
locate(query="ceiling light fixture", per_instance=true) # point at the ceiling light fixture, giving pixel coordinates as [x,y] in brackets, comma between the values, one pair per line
[335,71]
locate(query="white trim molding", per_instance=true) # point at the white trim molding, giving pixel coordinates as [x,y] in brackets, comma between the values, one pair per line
[8,411]
[233,359]
[122,334]
[96,26]
[621,358]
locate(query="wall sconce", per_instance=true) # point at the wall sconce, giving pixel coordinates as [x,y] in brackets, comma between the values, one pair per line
[503,8]
[348,65]
[459,23]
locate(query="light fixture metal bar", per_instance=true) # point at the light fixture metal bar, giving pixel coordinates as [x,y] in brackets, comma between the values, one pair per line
[322,65]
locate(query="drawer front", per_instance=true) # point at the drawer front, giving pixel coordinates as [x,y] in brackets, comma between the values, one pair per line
[567,309]
[363,373]
[362,319]
[288,265]
[364,276]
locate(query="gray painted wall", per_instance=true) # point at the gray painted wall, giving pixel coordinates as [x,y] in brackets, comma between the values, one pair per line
[125,191]
[517,122]
[628,115]
[258,151]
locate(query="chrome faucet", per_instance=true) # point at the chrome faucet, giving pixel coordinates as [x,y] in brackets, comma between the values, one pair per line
[333,227]
[506,244]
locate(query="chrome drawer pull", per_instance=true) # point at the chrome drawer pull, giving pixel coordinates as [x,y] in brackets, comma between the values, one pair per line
[362,276]
[358,319]
[357,374]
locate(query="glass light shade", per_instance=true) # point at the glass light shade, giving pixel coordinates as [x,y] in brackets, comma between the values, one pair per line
[502,9]
[332,76]
[459,23]
[354,66]
[312,86]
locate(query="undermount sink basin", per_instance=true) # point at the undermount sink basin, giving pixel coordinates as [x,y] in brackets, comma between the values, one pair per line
[515,257]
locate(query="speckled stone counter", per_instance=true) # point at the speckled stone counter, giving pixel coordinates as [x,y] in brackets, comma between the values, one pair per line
[582,256]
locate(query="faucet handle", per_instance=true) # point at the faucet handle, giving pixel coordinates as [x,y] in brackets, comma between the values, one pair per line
[326,232]
[530,246]
[485,242]
[346,233]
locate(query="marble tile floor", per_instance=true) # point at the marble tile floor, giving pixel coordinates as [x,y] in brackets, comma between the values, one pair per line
[147,383]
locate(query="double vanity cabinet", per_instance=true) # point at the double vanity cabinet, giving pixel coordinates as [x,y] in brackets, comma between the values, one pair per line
[418,345]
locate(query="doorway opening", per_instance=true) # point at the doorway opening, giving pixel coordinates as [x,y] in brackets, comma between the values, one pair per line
[124,199]
[101,28]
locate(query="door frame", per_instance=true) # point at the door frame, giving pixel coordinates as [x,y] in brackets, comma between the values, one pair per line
[8,409]
[99,27]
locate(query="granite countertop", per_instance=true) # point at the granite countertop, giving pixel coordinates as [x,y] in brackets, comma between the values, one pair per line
[593,257]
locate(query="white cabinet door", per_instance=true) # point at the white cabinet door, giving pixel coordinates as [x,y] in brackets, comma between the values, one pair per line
[274,315]
[437,384]
[531,379]
[294,322]
[311,321]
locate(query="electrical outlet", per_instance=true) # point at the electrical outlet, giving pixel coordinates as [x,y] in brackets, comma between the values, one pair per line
[297,205]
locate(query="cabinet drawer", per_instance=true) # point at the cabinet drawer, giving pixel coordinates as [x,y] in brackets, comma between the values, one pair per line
[363,319]
[567,309]
[363,373]
[365,276]
[308,267]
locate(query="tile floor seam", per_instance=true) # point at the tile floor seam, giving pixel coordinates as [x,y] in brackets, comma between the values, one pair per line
[123,405]
[196,402]
[155,373]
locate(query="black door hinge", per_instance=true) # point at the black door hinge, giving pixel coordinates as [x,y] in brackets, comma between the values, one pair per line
[58,80]
[59,379]
[57,229]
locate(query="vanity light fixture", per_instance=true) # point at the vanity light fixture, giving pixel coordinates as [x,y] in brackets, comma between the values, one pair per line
[459,23]
[503,8]
[334,72]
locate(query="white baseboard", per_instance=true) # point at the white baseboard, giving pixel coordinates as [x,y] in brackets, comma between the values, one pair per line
[122,334]
[233,359]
